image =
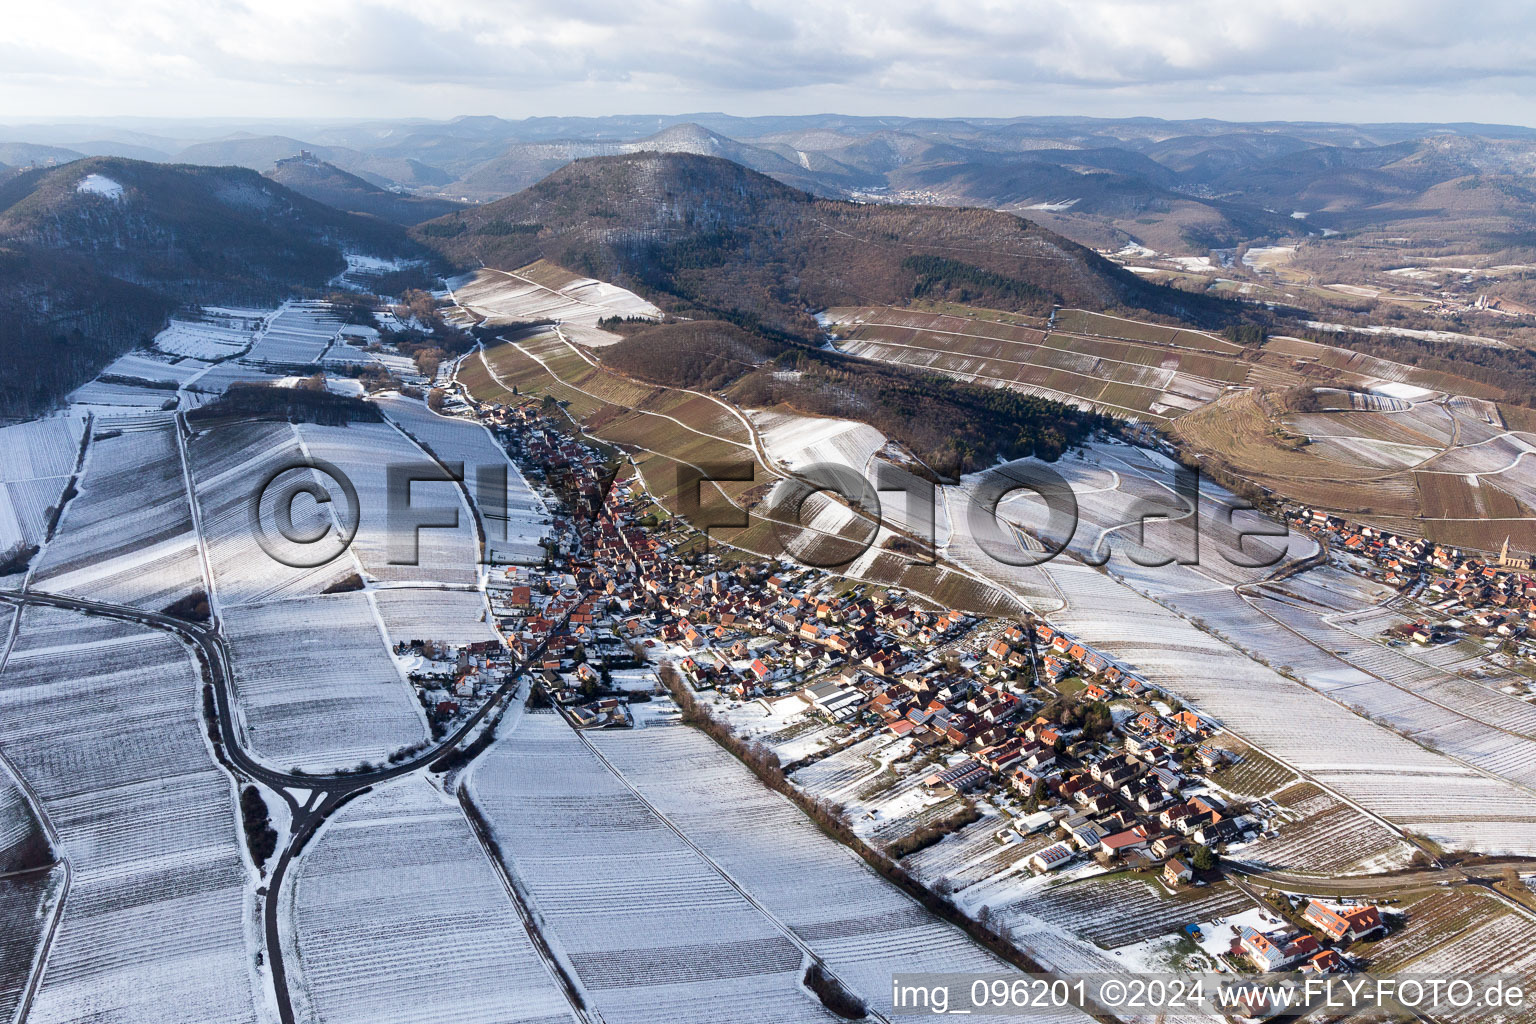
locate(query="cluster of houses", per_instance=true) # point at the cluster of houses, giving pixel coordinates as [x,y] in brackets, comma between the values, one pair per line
[450,678]
[1498,596]
[1297,949]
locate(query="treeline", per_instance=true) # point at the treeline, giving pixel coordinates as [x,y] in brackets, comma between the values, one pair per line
[706,355]
[307,402]
[953,426]
[927,835]
[939,277]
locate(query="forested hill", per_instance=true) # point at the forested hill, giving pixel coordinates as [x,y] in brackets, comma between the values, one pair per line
[96,252]
[702,233]
[329,184]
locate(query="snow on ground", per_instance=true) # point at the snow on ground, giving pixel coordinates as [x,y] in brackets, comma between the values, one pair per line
[648,927]
[36,460]
[315,686]
[387,544]
[1396,389]
[802,441]
[127,537]
[1419,789]
[502,297]
[104,721]
[862,926]
[513,531]
[297,334]
[228,463]
[100,185]
[447,937]
[154,367]
[218,335]
[449,616]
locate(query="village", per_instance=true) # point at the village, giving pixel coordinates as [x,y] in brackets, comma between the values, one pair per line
[1459,595]
[1092,770]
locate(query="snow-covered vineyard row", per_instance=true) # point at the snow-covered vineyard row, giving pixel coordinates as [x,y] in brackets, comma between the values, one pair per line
[316,688]
[611,887]
[395,551]
[514,538]
[450,616]
[103,720]
[36,460]
[220,334]
[862,926]
[545,292]
[227,463]
[297,334]
[127,537]
[447,940]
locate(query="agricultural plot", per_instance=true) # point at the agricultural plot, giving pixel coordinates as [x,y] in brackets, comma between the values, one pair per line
[1434,921]
[388,545]
[1081,321]
[558,815]
[153,368]
[1168,372]
[29,889]
[1476,724]
[103,719]
[26,902]
[513,519]
[315,687]
[218,335]
[296,335]
[127,537]
[862,926]
[450,616]
[357,958]
[1320,835]
[1503,946]
[228,461]
[542,291]
[36,461]
[108,399]
[1120,910]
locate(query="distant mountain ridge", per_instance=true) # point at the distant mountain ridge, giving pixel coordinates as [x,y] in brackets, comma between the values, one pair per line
[326,183]
[1179,186]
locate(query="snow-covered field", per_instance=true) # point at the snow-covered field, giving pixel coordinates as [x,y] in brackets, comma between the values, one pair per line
[395,551]
[502,297]
[862,926]
[127,537]
[444,940]
[492,478]
[219,335]
[1417,788]
[650,930]
[228,462]
[298,333]
[103,719]
[316,687]
[450,616]
[36,460]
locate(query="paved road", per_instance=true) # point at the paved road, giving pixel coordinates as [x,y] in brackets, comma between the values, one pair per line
[328,792]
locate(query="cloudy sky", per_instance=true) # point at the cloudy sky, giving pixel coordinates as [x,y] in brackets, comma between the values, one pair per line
[1405,60]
